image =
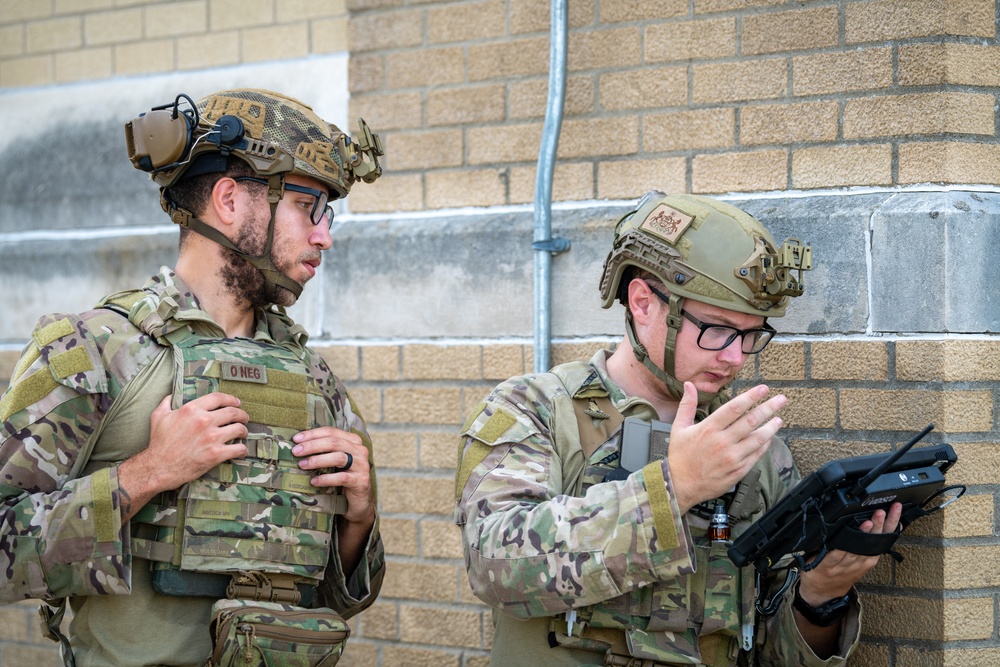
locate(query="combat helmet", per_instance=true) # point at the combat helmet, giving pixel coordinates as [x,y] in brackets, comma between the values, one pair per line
[274,134]
[705,250]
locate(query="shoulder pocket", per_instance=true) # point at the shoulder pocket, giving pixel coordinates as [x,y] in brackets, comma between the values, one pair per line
[72,354]
[62,358]
[489,425]
[492,423]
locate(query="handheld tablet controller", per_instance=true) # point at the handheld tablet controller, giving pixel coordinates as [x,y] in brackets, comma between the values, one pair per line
[824,511]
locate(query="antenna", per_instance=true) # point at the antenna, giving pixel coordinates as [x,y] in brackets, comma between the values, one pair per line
[873,474]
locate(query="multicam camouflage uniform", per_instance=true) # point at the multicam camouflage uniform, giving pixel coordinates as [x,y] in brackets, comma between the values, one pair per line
[645,581]
[64,431]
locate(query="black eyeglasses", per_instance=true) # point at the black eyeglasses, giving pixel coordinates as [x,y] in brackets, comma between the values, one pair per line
[714,337]
[321,207]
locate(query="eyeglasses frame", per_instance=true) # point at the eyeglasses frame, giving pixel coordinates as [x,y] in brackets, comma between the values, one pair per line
[320,195]
[736,333]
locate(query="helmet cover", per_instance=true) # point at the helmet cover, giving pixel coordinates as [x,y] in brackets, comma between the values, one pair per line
[273,133]
[706,250]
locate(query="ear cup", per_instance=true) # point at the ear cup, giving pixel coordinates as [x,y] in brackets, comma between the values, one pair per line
[158,138]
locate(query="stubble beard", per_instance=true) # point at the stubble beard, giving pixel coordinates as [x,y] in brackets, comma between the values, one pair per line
[243,280]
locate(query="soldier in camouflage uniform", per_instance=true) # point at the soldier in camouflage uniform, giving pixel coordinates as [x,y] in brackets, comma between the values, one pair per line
[179,443]
[587,563]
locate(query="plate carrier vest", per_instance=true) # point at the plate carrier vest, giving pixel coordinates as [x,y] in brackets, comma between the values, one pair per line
[247,517]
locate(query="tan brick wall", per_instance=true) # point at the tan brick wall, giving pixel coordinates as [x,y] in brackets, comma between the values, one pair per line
[842,94]
[45,43]
[856,397]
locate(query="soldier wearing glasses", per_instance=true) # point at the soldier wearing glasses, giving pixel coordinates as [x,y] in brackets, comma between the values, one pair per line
[176,462]
[588,563]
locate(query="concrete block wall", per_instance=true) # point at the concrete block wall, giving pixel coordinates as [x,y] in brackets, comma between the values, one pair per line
[865,127]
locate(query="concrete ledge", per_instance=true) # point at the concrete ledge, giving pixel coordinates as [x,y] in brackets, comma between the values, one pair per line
[927,269]
[934,266]
[473,276]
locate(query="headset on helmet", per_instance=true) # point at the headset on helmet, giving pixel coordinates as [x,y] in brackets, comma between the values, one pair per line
[705,250]
[274,134]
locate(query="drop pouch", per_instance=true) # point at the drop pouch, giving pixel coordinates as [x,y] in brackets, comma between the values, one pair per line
[248,632]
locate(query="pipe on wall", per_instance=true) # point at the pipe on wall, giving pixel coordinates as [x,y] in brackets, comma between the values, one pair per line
[544,245]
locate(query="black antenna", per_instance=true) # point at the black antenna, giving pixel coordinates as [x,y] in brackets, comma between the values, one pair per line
[863,483]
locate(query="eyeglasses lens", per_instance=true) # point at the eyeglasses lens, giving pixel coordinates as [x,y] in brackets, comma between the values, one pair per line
[720,337]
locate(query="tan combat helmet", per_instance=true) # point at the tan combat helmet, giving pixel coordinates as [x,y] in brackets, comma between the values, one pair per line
[274,134]
[705,250]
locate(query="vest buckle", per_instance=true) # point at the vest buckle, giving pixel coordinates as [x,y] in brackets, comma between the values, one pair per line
[261,587]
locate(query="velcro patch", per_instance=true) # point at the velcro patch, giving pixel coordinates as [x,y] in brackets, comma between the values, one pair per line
[496,425]
[659,502]
[52,332]
[70,363]
[667,223]
[27,392]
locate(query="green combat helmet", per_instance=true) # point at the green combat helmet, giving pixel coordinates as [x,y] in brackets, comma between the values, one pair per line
[705,250]
[274,134]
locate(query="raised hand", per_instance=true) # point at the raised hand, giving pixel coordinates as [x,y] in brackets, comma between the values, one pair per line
[708,458]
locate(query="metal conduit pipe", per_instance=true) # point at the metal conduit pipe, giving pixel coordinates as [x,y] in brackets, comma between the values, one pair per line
[544,245]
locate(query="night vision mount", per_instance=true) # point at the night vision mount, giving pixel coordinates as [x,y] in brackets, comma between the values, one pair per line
[824,510]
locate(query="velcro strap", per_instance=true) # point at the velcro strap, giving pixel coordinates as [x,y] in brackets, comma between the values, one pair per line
[274,552]
[246,473]
[854,541]
[152,550]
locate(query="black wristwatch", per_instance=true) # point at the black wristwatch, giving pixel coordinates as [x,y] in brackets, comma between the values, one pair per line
[826,614]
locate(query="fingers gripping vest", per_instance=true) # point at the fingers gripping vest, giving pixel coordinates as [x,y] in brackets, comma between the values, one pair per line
[255,514]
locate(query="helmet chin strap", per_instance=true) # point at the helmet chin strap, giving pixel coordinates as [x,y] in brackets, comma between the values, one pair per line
[674,387]
[273,278]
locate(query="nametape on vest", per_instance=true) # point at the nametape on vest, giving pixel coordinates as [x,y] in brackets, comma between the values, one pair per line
[244,372]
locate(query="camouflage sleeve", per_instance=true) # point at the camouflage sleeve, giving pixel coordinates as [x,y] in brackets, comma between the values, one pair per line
[351,592]
[534,550]
[783,644]
[59,535]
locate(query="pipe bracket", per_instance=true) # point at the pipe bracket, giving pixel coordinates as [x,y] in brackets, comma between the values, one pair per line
[554,246]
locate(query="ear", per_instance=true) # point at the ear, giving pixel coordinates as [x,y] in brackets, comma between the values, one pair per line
[640,300]
[224,195]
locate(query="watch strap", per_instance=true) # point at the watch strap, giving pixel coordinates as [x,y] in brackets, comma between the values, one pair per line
[824,615]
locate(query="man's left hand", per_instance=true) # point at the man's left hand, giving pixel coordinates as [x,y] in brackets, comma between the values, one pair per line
[328,447]
[840,570]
